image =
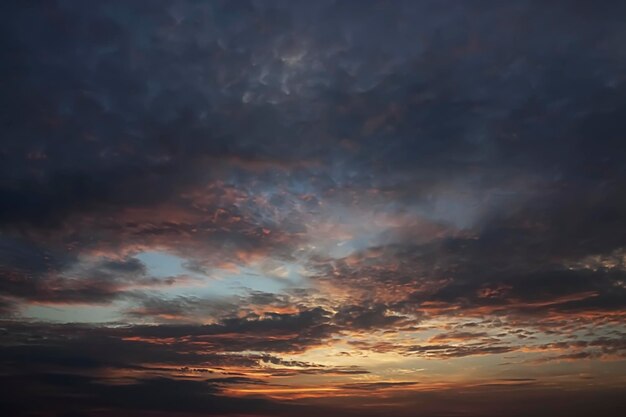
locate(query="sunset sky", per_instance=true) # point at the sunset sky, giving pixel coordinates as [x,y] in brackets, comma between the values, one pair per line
[299,208]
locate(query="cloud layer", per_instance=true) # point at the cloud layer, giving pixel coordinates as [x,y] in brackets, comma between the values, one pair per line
[277,207]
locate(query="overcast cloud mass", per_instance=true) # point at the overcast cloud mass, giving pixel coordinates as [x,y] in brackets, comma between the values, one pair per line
[344,208]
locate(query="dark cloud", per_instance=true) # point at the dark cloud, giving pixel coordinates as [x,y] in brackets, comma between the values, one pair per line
[430,179]
[274,332]
[362,318]
[148,395]
[379,385]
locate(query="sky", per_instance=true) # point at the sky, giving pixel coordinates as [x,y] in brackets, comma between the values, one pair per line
[348,208]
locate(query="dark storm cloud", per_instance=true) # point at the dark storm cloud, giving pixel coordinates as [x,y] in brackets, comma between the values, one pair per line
[56,362]
[477,146]
[74,345]
[71,392]
[107,114]
[161,349]
[487,270]
[137,108]
[103,115]
[33,347]
[274,332]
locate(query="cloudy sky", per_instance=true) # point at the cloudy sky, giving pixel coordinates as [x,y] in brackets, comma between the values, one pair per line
[277,208]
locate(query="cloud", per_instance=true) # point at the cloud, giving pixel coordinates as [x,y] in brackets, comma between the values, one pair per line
[395,181]
[375,386]
[154,394]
